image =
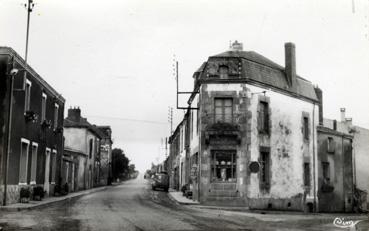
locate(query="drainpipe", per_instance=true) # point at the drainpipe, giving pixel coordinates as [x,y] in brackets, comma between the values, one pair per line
[314,172]
[7,153]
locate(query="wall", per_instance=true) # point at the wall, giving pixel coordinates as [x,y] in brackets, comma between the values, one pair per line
[361,155]
[338,198]
[75,139]
[288,150]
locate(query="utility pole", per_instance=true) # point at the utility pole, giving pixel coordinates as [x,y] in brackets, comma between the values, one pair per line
[170,119]
[29,7]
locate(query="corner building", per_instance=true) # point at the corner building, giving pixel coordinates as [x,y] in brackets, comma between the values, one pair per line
[253,140]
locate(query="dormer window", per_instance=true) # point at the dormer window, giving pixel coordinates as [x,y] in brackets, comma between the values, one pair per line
[223,72]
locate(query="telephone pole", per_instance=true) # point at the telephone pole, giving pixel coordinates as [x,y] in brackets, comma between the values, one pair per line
[170,119]
[29,7]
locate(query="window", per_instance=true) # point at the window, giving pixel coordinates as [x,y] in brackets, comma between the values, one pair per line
[191,128]
[264,168]
[27,95]
[43,107]
[331,146]
[264,117]
[223,72]
[56,115]
[34,163]
[53,166]
[307,174]
[326,172]
[23,161]
[91,144]
[223,110]
[224,166]
[306,128]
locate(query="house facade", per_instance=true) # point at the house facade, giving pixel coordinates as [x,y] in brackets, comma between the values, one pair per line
[335,171]
[360,153]
[82,143]
[31,134]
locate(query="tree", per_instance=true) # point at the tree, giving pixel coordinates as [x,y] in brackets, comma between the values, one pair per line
[120,164]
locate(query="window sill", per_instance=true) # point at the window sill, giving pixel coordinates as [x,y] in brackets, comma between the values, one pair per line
[32,183]
[22,184]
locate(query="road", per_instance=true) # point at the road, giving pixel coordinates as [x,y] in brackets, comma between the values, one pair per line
[134,206]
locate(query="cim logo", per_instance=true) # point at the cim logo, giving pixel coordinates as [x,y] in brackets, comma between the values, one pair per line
[342,223]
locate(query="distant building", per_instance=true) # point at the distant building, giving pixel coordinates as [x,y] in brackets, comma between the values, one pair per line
[335,171]
[82,151]
[360,152]
[31,129]
[105,155]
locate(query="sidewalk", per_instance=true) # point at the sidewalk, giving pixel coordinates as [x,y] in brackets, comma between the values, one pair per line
[180,199]
[49,200]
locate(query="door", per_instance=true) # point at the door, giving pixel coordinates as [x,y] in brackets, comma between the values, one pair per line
[47,171]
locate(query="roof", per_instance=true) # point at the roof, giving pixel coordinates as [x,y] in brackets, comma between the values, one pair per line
[29,69]
[260,69]
[333,132]
[82,123]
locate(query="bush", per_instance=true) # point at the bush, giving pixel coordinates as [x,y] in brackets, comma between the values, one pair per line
[38,193]
[25,193]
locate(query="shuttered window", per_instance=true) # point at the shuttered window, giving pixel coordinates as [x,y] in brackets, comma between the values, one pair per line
[223,110]
[263,117]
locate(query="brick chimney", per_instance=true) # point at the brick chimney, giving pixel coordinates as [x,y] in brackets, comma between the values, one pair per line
[319,95]
[74,114]
[290,64]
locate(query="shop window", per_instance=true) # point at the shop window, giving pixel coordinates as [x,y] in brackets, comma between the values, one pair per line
[223,166]
[264,168]
[331,145]
[263,117]
[23,162]
[307,174]
[223,109]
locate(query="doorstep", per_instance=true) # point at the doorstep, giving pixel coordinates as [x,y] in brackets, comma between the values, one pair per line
[49,200]
[180,199]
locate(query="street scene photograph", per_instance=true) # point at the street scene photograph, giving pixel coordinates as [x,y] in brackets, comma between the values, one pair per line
[184,115]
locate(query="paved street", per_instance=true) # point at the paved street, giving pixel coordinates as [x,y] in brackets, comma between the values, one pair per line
[134,206]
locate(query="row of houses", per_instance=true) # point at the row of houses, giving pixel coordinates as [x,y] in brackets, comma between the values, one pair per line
[38,147]
[254,135]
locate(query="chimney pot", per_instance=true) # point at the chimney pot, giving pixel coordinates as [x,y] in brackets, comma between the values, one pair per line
[236,46]
[343,114]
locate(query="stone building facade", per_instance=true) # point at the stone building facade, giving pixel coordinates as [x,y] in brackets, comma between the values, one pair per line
[31,130]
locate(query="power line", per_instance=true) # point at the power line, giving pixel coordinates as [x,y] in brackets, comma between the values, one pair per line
[128,119]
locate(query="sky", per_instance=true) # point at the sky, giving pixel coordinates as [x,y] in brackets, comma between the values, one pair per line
[114,58]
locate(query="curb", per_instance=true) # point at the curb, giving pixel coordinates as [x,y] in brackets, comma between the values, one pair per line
[58,200]
[179,202]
